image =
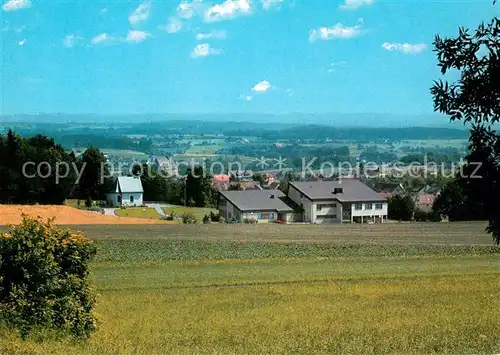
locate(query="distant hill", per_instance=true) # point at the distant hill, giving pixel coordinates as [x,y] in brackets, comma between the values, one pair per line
[333,119]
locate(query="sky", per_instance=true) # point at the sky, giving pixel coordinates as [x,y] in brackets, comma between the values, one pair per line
[232,56]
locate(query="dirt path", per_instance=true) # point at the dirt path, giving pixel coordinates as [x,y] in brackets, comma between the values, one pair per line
[11,214]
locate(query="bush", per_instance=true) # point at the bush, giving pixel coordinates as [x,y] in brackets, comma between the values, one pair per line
[206,219]
[96,209]
[222,219]
[44,279]
[88,202]
[188,218]
[423,216]
[215,217]
[168,217]
[250,220]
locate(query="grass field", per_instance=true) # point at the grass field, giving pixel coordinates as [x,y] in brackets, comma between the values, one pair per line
[129,154]
[199,213]
[139,212]
[400,289]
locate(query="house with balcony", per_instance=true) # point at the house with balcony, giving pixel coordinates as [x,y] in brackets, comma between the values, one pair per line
[340,201]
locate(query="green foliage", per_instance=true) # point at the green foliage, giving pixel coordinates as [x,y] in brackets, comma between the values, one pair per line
[250,221]
[199,189]
[260,178]
[44,279]
[475,99]
[215,217]
[189,218]
[401,208]
[92,183]
[206,219]
[29,187]
[132,251]
[424,216]
[88,202]
[235,187]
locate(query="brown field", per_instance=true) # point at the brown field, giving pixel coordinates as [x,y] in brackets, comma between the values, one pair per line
[454,233]
[11,214]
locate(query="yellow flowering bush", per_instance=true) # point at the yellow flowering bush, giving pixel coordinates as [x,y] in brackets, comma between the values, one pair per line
[44,279]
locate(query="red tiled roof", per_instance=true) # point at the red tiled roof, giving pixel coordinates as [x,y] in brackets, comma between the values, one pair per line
[426,199]
[385,195]
[221,177]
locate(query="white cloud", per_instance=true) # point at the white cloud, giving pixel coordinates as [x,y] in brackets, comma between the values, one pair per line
[406,48]
[355,4]
[134,36]
[334,65]
[22,42]
[337,31]
[271,4]
[102,38]
[70,40]
[248,98]
[174,25]
[204,50]
[140,14]
[212,34]
[228,10]
[13,5]
[20,29]
[262,86]
[187,9]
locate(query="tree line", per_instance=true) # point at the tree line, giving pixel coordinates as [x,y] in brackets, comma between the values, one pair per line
[38,170]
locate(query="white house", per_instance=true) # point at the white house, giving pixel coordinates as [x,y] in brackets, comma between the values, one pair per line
[341,201]
[262,206]
[128,191]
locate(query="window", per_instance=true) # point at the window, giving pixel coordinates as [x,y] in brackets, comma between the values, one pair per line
[329,216]
[271,215]
[358,206]
[368,206]
[328,205]
[131,198]
[119,198]
[378,206]
[264,215]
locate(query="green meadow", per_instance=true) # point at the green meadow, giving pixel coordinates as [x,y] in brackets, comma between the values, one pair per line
[170,292]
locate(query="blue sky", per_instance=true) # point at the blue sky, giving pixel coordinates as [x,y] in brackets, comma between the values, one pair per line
[104,57]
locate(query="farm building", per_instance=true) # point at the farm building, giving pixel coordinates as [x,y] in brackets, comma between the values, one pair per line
[340,201]
[128,191]
[263,206]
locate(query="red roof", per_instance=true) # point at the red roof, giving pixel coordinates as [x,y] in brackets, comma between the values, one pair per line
[221,177]
[426,199]
[386,195]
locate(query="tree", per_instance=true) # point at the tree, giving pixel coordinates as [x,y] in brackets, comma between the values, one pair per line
[475,100]
[260,178]
[34,170]
[199,188]
[92,184]
[401,208]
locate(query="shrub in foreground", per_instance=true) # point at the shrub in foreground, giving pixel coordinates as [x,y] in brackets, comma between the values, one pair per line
[44,279]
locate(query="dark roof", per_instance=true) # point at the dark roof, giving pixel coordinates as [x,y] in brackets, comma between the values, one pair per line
[352,190]
[257,200]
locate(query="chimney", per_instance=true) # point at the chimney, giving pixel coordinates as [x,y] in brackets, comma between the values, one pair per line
[337,190]
[272,196]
